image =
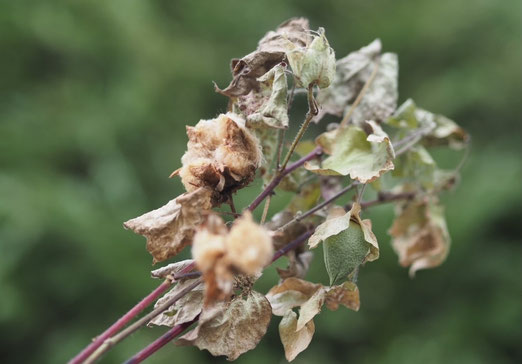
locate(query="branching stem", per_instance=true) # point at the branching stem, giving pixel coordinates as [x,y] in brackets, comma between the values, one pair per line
[312,111]
[110,342]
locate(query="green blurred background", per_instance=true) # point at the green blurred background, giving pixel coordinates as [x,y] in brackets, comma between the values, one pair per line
[94,99]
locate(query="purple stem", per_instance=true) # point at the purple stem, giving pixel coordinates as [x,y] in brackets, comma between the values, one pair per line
[294,244]
[279,177]
[118,325]
[159,342]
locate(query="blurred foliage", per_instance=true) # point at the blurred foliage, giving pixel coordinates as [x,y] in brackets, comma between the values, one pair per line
[94,99]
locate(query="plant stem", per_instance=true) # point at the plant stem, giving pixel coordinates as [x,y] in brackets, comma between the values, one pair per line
[178,329]
[292,245]
[312,111]
[265,209]
[279,177]
[110,342]
[360,96]
[384,197]
[159,343]
[114,328]
[319,206]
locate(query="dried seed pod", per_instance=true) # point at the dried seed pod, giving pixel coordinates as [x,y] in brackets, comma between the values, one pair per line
[222,154]
[249,245]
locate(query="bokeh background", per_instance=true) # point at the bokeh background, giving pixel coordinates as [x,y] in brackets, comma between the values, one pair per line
[94,99]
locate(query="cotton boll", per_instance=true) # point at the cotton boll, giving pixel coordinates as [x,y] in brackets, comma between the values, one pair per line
[208,246]
[249,245]
[221,154]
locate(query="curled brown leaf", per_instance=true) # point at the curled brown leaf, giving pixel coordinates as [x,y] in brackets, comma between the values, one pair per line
[171,227]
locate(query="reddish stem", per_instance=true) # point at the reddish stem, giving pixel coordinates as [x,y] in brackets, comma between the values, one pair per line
[159,342]
[278,178]
[118,325]
[292,245]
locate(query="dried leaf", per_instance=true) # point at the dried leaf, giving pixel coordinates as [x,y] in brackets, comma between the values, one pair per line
[347,243]
[222,155]
[290,293]
[231,328]
[420,235]
[313,64]
[352,152]
[346,294]
[298,264]
[294,341]
[380,99]
[186,309]
[352,72]
[171,227]
[311,308]
[274,111]
[270,52]
[171,269]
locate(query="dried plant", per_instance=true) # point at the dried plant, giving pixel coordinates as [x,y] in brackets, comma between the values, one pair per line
[375,144]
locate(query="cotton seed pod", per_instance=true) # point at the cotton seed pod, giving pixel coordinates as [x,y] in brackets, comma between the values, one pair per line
[208,245]
[248,245]
[221,154]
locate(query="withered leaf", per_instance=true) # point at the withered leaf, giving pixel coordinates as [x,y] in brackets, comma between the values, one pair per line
[290,293]
[231,328]
[271,51]
[222,155]
[171,269]
[352,72]
[346,294]
[183,310]
[274,111]
[364,157]
[420,235]
[171,227]
[311,308]
[294,341]
[298,264]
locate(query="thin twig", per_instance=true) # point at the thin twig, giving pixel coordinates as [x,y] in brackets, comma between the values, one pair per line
[360,95]
[319,206]
[118,325]
[160,342]
[110,342]
[383,198]
[280,142]
[178,329]
[312,111]
[265,210]
[360,193]
[279,177]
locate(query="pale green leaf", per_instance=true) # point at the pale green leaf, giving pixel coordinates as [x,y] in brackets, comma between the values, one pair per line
[352,152]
